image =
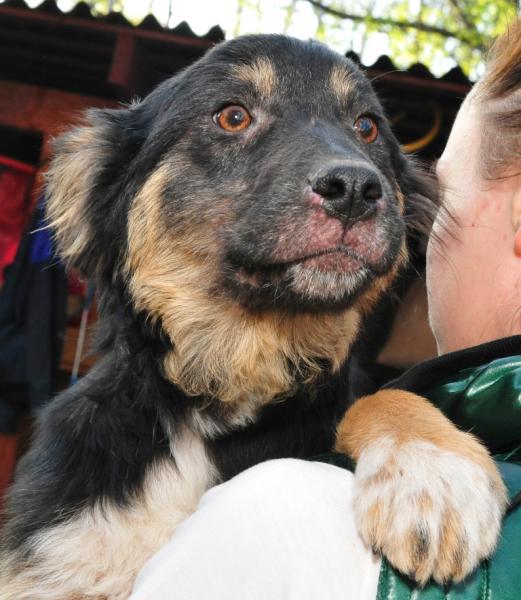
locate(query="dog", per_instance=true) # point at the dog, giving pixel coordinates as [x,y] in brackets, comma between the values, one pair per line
[240,224]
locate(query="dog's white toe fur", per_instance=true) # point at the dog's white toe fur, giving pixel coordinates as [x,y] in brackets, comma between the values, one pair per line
[430,511]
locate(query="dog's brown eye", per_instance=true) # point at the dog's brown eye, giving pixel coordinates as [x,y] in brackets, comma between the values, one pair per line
[233,118]
[366,129]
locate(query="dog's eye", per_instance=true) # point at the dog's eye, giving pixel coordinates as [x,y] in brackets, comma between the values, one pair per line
[232,118]
[366,129]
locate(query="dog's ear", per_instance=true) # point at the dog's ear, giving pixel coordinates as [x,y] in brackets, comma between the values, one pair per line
[84,183]
[420,189]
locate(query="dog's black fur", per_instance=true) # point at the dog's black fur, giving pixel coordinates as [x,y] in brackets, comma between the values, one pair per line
[243,195]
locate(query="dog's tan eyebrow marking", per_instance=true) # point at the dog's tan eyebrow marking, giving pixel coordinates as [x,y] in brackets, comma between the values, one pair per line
[261,74]
[341,82]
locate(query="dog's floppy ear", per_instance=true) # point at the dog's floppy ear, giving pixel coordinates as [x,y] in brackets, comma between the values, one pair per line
[84,183]
[420,189]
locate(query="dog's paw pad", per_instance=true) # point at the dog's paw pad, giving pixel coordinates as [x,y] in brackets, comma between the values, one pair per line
[429,511]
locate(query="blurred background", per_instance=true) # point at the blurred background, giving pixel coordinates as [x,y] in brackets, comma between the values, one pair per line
[59,57]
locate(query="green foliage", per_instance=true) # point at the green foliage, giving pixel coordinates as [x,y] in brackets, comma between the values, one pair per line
[429,31]
[102,7]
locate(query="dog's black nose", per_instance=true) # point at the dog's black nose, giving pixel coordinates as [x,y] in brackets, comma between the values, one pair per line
[350,191]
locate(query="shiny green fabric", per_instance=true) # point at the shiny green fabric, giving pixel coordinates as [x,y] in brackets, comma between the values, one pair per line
[487,401]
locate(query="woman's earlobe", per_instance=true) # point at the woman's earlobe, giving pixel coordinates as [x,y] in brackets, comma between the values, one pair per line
[517,241]
[516,220]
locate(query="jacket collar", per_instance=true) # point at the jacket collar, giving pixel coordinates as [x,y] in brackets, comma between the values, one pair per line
[428,374]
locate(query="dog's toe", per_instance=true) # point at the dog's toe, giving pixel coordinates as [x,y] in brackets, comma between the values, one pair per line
[432,512]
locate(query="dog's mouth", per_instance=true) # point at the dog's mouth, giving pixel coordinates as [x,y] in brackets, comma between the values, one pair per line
[319,262]
[339,259]
[336,260]
[327,244]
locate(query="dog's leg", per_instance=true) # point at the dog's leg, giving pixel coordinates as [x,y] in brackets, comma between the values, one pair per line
[428,496]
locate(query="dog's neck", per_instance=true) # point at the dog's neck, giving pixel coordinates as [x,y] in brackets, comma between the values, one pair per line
[221,351]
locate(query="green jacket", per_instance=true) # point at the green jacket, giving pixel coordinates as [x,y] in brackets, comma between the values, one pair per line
[480,390]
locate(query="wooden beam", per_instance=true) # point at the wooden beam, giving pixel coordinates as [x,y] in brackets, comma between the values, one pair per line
[122,68]
[406,80]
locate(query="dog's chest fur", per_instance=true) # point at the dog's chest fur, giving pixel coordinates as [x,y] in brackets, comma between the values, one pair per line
[100,549]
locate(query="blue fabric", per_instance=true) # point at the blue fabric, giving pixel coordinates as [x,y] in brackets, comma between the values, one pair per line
[41,246]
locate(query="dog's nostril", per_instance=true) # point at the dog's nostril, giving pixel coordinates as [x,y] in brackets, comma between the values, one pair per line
[329,187]
[372,191]
[335,188]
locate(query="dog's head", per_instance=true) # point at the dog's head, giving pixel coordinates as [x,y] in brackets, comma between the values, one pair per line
[265,177]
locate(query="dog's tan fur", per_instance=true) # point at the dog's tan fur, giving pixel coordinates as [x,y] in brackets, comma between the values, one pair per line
[261,74]
[341,83]
[69,181]
[369,299]
[220,350]
[405,417]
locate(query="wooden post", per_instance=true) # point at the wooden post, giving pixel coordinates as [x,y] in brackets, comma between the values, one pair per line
[123,66]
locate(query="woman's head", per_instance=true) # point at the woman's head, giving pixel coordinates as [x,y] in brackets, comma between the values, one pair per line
[474,256]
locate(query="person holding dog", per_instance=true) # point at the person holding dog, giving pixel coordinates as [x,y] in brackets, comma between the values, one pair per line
[285,529]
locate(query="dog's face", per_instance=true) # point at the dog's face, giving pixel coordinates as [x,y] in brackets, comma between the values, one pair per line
[290,169]
[266,173]
[292,172]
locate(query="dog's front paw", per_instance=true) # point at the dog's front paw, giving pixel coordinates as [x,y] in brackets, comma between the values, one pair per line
[430,511]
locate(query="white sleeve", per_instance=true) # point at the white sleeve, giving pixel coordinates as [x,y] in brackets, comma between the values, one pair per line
[283,530]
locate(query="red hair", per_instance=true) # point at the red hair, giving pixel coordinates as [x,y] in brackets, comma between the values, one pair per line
[500,91]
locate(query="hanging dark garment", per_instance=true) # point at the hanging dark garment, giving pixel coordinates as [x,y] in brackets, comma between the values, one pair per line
[16,180]
[32,325]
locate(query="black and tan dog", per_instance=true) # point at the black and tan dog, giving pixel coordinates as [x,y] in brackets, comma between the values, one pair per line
[239,223]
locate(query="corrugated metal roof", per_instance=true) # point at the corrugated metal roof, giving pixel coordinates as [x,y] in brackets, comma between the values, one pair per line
[83,11]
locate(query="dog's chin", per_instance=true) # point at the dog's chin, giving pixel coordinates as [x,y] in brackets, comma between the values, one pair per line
[315,282]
